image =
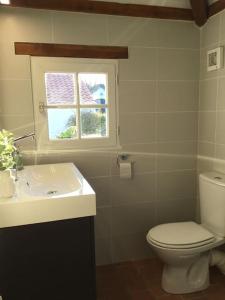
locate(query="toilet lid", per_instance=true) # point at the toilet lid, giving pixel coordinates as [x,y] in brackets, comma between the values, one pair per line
[180,235]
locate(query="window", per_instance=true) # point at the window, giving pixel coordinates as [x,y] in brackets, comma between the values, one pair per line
[74,102]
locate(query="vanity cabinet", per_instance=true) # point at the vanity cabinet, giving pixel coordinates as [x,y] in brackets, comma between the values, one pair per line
[48,261]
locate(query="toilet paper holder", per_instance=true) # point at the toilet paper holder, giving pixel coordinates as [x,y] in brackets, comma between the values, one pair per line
[123,157]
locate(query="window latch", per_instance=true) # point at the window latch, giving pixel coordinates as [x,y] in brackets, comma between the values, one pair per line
[43,107]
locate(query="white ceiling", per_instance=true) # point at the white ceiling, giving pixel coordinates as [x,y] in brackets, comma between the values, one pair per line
[169,3]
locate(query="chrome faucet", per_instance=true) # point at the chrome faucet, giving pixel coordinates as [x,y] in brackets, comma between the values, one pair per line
[23,137]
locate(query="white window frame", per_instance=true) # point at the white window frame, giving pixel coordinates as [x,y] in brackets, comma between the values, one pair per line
[42,65]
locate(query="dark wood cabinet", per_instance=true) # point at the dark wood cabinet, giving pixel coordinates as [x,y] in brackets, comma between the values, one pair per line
[48,261]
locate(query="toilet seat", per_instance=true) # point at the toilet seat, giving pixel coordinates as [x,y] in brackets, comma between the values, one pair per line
[182,235]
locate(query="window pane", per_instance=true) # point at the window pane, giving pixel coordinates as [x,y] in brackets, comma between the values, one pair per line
[60,88]
[92,88]
[94,122]
[62,124]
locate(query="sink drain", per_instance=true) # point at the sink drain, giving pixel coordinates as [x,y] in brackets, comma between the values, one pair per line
[51,192]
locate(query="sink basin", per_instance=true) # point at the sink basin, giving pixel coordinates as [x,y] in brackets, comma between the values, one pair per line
[46,193]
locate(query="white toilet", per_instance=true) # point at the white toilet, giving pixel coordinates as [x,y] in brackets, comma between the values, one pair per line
[188,248]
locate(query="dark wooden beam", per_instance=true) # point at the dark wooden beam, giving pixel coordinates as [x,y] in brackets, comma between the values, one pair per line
[65,50]
[110,8]
[200,11]
[216,7]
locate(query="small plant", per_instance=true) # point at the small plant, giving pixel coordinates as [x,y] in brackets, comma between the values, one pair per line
[69,133]
[7,151]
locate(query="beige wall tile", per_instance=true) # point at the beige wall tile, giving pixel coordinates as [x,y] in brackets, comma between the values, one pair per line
[177,96]
[130,31]
[176,156]
[143,148]
[137,96]
[221,72]
[131,247]
[18,124]
[16,97]
[176,126]
[221,94]
[219,164]
[210,32]
[175,185]
[50,158]
[204,165]
[207,123]
[208,94]
[127,191]
[141,65]
[13,66]
[222,26]
[25,25]
[93,164]
[206,149]
[220,127]
[178,35]
[103,222]
[220,152]
[131,219]
[103,254]
[176,211]
[137,128]
[101,186]
[177,64]
[79,28]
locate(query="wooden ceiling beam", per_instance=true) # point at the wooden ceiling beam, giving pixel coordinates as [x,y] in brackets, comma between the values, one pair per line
[110,8]
[216,7]
[66,50]
[200,11]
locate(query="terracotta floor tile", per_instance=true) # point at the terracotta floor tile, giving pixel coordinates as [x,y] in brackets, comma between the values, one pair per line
[157,291]
[193,296]
[141,280]
[170,297]
[127,295]
[141,295]
[216,276]
[130,278]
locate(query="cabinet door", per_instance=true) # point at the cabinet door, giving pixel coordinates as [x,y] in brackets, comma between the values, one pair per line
[48,261]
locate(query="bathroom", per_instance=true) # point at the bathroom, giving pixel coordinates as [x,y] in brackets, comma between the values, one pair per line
[170,112]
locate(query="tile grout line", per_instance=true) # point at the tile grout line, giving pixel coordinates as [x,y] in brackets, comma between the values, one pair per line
[217,94]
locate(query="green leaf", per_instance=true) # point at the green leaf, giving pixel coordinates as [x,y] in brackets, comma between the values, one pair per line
[7,150]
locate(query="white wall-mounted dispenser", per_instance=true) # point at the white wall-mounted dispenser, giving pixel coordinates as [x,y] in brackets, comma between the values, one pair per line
[125,166]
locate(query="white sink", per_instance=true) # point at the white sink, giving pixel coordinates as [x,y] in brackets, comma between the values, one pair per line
[46,193]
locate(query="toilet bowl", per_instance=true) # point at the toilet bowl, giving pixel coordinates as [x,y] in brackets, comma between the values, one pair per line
[187,248]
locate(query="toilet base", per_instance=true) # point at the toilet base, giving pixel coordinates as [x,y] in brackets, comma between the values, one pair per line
[191,276]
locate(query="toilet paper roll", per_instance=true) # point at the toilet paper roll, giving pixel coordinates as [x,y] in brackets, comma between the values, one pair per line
[125,170]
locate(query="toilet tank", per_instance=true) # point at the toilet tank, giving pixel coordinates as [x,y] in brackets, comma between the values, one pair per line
[212,202]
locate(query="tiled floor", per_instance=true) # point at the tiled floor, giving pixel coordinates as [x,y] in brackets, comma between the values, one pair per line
[141,281]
